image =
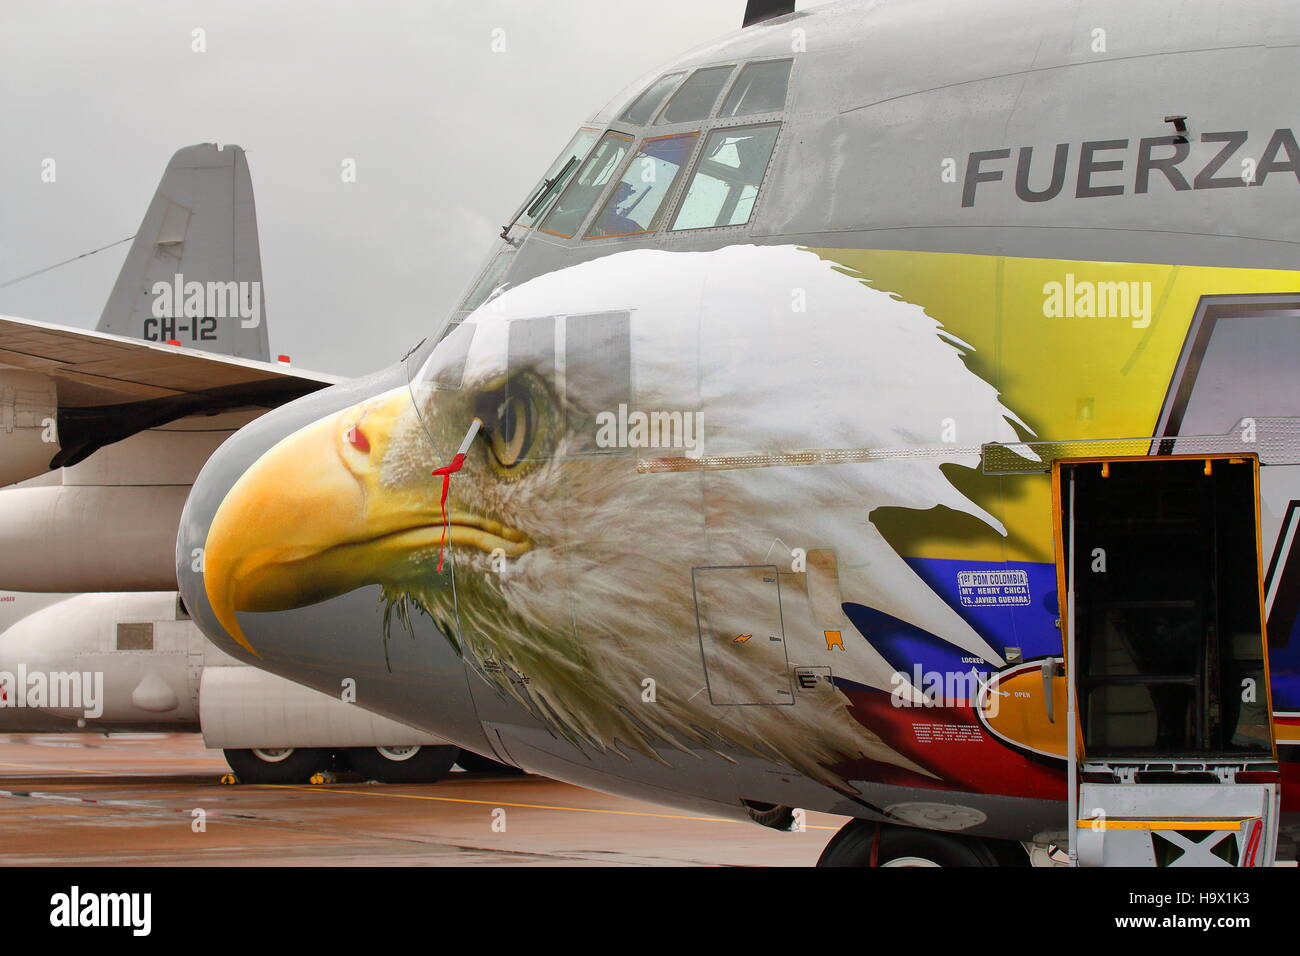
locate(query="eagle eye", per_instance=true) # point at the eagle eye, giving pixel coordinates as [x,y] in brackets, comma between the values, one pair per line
[513,427]
[514,431]
[518,422]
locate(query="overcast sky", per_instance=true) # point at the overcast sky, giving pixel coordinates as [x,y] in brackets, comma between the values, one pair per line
[447,135]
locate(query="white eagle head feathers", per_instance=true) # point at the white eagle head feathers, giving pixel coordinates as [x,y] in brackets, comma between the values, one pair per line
[780,352]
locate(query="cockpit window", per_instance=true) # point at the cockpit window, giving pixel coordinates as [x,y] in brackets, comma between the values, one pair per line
[726,178]
[445,366]
[439,368]
[644,106]
[760,88]
[584,189]
[559,173]
[694,101]
[638,197]
[490,281]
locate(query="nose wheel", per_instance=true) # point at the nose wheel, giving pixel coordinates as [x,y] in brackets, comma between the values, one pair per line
[866,843]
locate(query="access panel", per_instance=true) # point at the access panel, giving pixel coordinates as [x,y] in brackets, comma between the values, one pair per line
[742,636]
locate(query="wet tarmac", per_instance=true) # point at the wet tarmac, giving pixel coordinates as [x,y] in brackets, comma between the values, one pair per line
[131,799]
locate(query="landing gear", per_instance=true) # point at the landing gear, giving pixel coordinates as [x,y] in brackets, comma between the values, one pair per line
[277,764]
[860,840]
[409,764]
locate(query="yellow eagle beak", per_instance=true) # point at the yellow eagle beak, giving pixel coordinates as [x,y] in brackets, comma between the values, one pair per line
[312,519]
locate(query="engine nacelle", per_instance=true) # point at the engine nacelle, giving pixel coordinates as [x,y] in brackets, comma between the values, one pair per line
[90,538]
[110,522]
[28,434]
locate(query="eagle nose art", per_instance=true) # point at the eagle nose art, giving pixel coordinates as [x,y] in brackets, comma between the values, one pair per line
[298,525]
[325,511]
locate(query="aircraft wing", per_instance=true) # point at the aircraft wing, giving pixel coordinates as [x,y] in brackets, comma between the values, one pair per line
[110,386]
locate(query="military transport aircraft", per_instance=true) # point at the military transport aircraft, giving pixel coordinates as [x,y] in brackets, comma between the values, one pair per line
[106,429]
[828,377]
[101,434]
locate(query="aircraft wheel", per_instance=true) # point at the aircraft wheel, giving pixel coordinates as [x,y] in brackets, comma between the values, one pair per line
[476,763]
[902,846]
[414,764]
[278,764]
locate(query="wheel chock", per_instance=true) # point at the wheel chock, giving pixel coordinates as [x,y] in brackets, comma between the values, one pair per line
[324,776]
[229,779]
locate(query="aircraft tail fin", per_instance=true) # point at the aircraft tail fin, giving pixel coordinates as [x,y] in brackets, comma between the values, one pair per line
[194,272]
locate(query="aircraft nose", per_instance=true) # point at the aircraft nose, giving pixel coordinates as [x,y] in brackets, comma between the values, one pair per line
[262,527]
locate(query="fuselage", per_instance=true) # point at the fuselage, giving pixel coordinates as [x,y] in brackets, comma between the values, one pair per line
[766,380]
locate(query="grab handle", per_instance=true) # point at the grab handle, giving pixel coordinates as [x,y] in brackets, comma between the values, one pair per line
[1051,669]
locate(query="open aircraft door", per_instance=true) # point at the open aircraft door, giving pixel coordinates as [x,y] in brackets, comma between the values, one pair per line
[1172,759]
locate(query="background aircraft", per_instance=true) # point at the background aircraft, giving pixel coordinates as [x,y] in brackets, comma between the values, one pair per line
[136,663]
[104,433]
[153,390]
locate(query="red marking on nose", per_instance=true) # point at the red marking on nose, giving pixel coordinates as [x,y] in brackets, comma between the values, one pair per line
[446,471]
[357,438]
[173,342]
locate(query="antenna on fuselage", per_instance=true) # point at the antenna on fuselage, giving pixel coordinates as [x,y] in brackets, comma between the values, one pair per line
[756,11]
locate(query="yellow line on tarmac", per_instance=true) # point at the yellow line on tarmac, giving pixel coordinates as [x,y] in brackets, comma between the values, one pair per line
[525,806]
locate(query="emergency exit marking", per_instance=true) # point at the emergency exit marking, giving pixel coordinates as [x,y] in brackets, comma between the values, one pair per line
[985,588]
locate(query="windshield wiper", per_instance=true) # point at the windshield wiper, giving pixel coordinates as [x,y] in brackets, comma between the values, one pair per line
[534,202]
